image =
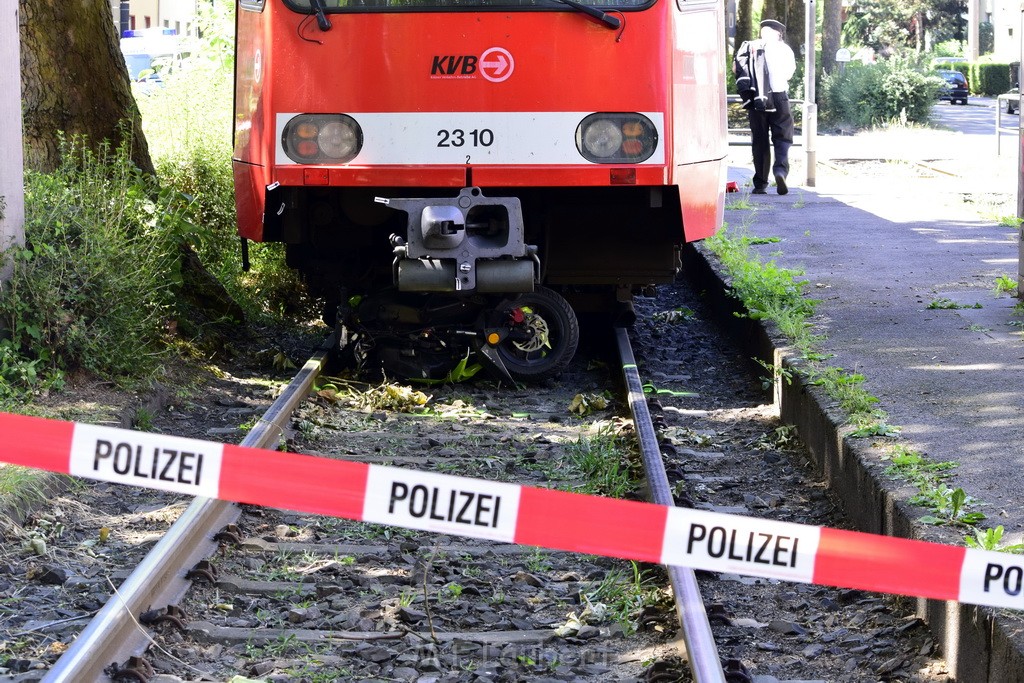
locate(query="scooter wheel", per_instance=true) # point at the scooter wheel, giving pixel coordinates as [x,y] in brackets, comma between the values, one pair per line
[545,335]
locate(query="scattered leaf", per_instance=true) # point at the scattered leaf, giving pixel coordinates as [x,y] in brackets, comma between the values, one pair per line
[584,404]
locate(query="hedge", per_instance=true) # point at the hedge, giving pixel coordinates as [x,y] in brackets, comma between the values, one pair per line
[986,78]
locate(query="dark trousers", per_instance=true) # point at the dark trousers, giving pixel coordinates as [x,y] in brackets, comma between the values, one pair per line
[780,124]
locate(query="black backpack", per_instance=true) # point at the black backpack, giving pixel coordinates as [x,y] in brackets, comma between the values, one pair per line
[747,87]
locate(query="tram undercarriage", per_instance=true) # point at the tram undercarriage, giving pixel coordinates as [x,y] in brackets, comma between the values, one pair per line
[460,286]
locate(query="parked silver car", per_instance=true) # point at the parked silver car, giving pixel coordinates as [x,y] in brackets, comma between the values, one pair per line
[1010,105]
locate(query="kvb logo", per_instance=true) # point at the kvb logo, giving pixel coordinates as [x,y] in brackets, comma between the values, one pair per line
[452,65]
[495,64]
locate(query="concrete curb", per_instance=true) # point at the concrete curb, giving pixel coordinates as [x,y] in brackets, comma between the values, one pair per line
[977,645]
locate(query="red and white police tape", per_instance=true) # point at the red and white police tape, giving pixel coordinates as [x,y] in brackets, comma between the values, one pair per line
[516,514]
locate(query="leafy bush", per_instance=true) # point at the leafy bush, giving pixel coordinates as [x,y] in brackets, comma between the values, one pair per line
[948,48]
[93,286]
[839,98]
[901,90]
[97,282]
[188,125]
[894,90]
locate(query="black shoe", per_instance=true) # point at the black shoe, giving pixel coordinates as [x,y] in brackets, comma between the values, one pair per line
[780,184]
[759,190]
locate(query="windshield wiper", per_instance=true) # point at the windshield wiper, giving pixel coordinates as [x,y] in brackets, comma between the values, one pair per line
[321,14]
[609,20]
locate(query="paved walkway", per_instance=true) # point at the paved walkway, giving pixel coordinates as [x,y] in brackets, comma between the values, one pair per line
[898,225]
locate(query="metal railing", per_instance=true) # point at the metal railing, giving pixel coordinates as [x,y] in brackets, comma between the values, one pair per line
[736,134]
[1002,130]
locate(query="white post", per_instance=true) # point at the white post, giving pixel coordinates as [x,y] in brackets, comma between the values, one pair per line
[810,124]
[1020,167]
[12,181]
[973,32]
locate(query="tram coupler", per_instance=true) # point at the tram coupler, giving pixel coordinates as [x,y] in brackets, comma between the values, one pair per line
[469,243]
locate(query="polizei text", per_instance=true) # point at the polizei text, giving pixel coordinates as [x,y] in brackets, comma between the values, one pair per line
[445,505]
[160,464]
[744,546]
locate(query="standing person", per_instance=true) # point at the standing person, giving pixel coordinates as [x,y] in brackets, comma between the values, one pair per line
[763,69]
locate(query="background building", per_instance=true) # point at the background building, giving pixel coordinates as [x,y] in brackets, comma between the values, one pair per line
[179,15]
[1005,16]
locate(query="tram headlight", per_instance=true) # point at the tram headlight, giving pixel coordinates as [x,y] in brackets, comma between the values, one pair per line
[616,138]
[602,138]
[322,139]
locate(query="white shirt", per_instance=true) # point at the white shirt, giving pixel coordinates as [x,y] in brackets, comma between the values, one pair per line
[781,62]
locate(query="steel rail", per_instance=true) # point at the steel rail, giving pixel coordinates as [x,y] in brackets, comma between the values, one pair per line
[701,651]
[114,635]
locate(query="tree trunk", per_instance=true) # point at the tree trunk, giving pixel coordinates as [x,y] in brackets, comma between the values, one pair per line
[795,21]
[744,21]
[775,9]
[832,27]
[74,80]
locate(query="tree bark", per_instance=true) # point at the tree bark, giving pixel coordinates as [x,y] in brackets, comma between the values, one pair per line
[775,9]
[74,80]
[832,26]
[744,21]
[796,19]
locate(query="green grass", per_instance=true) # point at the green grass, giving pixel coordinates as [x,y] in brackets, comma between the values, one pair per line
[1005,285]
[942,303]
[188,125]
[741,203]
[603,460]
[772,293]
[947,505]
[623,596]
[768,291]
[97,286]
[21,486]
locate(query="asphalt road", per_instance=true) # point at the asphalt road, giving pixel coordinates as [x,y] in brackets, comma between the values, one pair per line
[977,118]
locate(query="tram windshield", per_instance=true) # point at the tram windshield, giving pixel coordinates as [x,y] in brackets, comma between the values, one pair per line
[441,5]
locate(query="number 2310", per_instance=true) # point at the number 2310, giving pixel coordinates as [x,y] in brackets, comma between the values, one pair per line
[457,137]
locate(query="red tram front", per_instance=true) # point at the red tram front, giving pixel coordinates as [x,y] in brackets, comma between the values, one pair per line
[461,175]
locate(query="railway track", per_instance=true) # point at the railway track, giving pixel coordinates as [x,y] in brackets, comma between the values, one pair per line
[114,640]
[289,596]
[300,561]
